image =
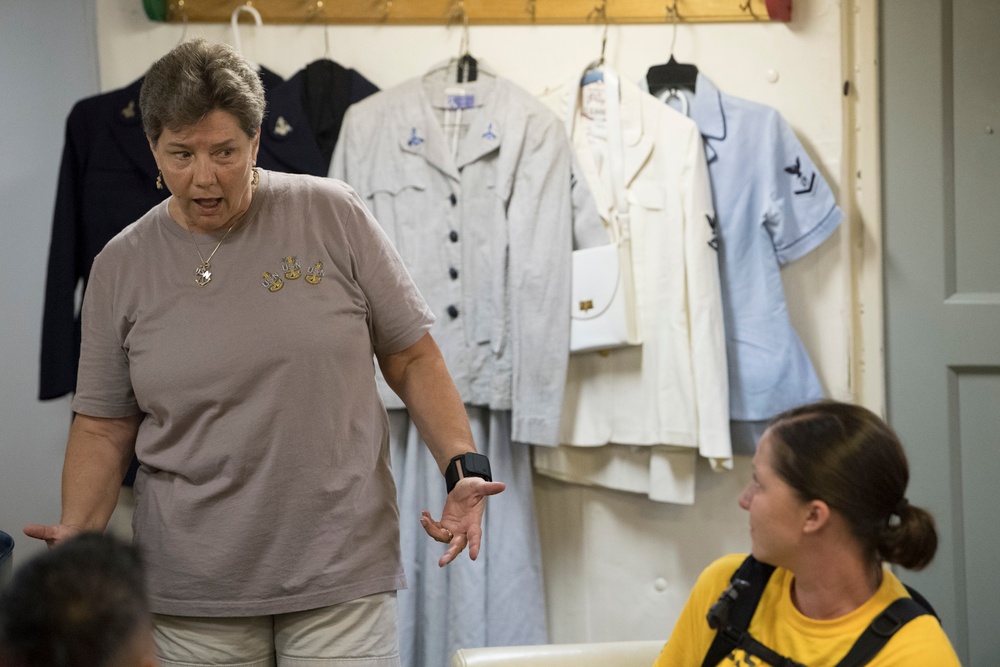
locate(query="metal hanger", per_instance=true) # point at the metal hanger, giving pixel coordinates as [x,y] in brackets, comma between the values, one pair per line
[312,15]
[467,66]
[594,70]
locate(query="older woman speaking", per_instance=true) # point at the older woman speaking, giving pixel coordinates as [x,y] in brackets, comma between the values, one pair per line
[229,339]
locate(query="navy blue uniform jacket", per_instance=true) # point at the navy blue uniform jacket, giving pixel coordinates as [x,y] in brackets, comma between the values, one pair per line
[304,117]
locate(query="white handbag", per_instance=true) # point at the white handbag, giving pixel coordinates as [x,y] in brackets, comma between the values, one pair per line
[604,313]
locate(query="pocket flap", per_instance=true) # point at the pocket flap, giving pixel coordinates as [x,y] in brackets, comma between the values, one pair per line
[395,180]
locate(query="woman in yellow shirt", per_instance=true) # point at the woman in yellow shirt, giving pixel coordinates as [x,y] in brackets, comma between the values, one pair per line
[828,508]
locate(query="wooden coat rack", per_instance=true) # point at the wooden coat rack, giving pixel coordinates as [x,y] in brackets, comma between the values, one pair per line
[484,12]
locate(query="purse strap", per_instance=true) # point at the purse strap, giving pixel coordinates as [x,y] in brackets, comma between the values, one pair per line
[616,155]
[620,222]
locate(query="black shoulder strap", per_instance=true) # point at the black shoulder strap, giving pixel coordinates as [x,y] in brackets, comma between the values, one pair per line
[756,574]
[922,600]
[881,630]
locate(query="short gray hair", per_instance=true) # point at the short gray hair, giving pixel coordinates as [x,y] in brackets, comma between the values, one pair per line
[194,79]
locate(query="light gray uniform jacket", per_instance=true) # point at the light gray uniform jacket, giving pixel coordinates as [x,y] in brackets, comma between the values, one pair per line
[486,232]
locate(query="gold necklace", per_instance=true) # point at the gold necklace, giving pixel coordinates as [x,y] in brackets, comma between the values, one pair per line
[203,274]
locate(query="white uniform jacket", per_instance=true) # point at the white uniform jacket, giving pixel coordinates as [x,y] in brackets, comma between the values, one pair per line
[673,389]
[485,231]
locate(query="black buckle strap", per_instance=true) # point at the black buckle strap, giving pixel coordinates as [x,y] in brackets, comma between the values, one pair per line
[880,630]
[744,640]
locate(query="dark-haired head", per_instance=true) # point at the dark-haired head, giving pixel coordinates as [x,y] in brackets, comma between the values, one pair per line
[849,458]
[81,604]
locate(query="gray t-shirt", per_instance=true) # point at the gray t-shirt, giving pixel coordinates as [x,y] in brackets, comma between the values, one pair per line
[265,485]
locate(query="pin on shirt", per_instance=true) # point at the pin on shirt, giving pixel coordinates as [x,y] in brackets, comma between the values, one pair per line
[290,266]
[272,281]
[315,273]
[282,127]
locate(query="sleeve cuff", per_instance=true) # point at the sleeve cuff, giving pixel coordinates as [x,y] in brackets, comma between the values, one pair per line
[813,239]
[535,430]
[717,448]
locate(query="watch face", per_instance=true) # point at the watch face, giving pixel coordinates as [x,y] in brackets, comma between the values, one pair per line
[477,464]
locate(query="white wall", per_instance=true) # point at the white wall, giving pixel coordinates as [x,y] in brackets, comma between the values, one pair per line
[795,67]
[48,60]
[617,566]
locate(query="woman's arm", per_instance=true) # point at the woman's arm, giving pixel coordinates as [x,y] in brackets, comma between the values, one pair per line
[420,378]
[97,456]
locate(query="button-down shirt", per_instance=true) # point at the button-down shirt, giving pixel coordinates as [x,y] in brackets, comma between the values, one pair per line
[773,206]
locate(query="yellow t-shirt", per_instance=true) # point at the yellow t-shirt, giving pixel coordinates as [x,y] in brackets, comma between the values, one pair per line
[781,627]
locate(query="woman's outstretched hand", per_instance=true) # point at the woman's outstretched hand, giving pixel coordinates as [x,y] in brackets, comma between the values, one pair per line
[462,517]
[52,535]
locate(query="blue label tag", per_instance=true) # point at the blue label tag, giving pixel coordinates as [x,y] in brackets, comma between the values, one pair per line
[461,101]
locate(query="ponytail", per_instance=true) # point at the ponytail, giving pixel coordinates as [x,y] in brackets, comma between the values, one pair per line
[912,541]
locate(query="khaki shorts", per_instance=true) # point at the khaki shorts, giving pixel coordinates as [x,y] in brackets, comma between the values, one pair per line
[359,633]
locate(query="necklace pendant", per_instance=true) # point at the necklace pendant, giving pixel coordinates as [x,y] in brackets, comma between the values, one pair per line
[202,274]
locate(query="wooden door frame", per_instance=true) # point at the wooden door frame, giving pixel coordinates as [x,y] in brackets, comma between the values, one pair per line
[861,200]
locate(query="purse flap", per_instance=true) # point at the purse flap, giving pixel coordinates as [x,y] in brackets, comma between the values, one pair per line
[596,280]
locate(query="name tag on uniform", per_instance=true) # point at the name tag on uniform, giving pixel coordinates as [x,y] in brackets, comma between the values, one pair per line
[457,98]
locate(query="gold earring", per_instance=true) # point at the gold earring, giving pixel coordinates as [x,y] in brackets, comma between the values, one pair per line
[256,179]
[159,179]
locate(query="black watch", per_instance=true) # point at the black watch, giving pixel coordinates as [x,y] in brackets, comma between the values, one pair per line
[465,465]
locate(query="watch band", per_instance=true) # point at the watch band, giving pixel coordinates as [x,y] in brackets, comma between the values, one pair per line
[469,464]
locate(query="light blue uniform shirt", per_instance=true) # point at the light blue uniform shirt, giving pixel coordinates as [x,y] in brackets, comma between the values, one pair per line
[772,207]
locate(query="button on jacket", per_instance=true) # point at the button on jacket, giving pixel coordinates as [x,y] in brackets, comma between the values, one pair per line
[673,389]
[481,212]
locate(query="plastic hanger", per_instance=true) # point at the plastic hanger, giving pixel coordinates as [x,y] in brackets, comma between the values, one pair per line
[672,74]
[235,20]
